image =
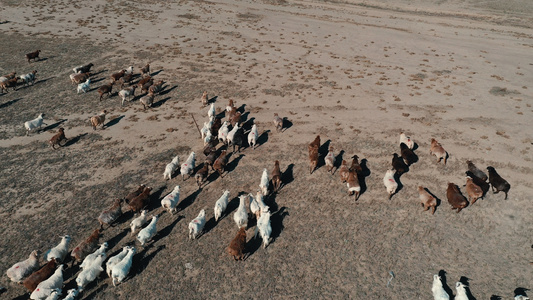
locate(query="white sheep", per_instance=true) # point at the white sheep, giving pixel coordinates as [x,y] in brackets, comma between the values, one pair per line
[188,166]
[84,86]
[461,291]
[438,291]
[407,141]
[171,167]
[197,225]
[206,128]
[223,133]
[35,123]
[90,273]
[330,160]
[241,215]
[138,222]
[126,93]
[121,270]
[264,228]
[211,111]
[27,78]
[208,138]
[148,232]
[264,182]
[114,260]
[72,294]
[54,295]
[521,297]
[89,259]
[259,198]
[171,200]
[221,205]
[44,288]
[60,251]
[254,206]
[252,137]
[24,268]
[390,183]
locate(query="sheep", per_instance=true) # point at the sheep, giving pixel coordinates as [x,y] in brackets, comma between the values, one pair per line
[354,188]
[105,89]
[221,205]
[60,251]
[114,260]
[211,157]
[45,287]
[8,76]
[330,160]
[18,271]
[235,119]
[217,123]
[141,201]
[146,86]
[71,294]
[231,134]
[236,247]
[116,76]
[135,193]
[263,227]
[98,120]
[276,176]
[84,86]
[144,81]
[254,207]
[313,158]
[10,83]
[128,78]
[171,168]
[497,182]
[343,171]
[204,99]
[461,291]
[238,139]
[33,55]
[206,128]
[79,77]
[121,270]
[208,137]
[278,122]
[437,150]
[170,201]
[86,247]
[473,191]
[148,232]
[220,163]
[83,69]
[211,112]
[252,136]
[390,182]
[408,155]
[398,164]
[521,297]
[58,138]
[127,92]
[202,174]
[91,272]
[241,215]
[138,222]
[477,172]
[54,295]
[438,291]
[479,182]
[427,200]
[145,70]
[231,105]
[40,275]
[197,225]
[264,182]
[112,214]
[188,166]
[147,100]
[259,199]
[407,141]
[88,261]
[156,88]
[455,198]
[27,78]
[35,123]
[355,166]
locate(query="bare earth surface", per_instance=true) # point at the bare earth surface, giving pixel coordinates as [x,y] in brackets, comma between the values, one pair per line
[356,73]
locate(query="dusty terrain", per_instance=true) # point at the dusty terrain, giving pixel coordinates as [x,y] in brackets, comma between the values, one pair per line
[356,73]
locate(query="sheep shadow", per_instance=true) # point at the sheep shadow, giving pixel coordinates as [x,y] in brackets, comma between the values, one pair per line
[209,225]
[286,124]
[365,172]
[74,140]
[114,121]
[166,91]
[99,72]
[338,160]
[10,102]
[160,102]
[400,185]
[233,204]
[276,221]
[188,200]
[167,230]
[93,294]
[263,138]
[39,81]
[155,73]
[252,245]
[495,297]
[117,238]
[287,176]
[141,260]
[52,126]
[153,202]
[233,164]
[246,126]
[244,118]
[445,286]
[96,80]
[465,280]
[212,100]
[520,291]
[241,108]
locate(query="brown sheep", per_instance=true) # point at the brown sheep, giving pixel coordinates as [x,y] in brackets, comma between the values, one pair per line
[316,142]
[135,193]
[58,138]
[86,247]
[40,275]
[220,163]
[141,201]
[355,166]
[112,214]
[236,118]
[276,176]
[205,98]
[105,89]
[353,185]
[497,182]
[144,81]
[98,120]
[156,87]
[236,247]
[313,158]
[202,174]
[79,77]
[145,70]
[330,160]
[116,76]
[343,171]
[477,172]
[437,150]
[473,191]
[278,122]
[455,198]
[211,157]
[127,78]
[33,55]
[10,83]
[427,200]
[147,100]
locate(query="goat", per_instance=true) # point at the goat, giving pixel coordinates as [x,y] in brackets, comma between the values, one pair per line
[479,182]
[58,138]
[236,247]
[20,270]
[138,222]
[170,201]
[254,206]
[71,294]
[220,163]
[33,55]
[27,78]
[427,200]
[86,247]
[252,136]
[473,191]
[437,150]
[211,157]
[84,86]
[235,119]
[221,205]
[98,120]
[129,70]
[230,106]
[35,123]
[316,142]
[390,182]
[126,93]
[148,232]
[330,160]
[241,215]
[223,133]
[112,214]
[105,89]
[127,78]
[497,182]
[40,275]
[276,176]
[197,225]
[171,168]
[238,139]
[121,270]
[407,141]
[141,201]
[60,251]
[455,198]
[144,81]
[278,122]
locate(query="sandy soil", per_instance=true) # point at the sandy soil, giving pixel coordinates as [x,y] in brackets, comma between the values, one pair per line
[357,73]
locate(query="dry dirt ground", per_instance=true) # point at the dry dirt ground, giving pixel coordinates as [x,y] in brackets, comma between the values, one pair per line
[356,73]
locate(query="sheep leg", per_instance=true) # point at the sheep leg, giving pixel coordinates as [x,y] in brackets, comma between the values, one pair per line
[433,210]
[505,195]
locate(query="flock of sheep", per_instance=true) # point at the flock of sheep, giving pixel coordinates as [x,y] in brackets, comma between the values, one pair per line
[47,281]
